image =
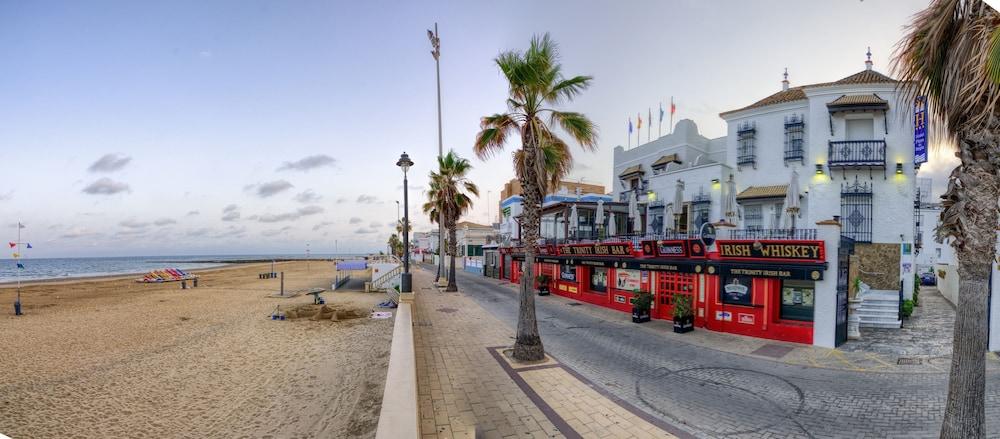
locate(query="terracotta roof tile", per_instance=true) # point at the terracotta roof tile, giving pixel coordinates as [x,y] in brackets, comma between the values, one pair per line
[869,99]
[637,169]
[763,192]
[798,93]
[669,158]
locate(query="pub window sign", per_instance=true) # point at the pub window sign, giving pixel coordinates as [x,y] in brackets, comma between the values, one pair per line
[737,291]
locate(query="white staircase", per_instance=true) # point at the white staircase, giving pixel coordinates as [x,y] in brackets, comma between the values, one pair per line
[388,280]
[880,309]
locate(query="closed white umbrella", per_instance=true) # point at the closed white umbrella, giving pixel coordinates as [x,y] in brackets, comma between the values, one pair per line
[633,212]
[729,207]
[574,219]
[612,227]
[599,215]
[679,198]
[668,219]
[792,199]
[649,220]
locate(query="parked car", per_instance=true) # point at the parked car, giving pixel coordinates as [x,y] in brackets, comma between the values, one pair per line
[928,278]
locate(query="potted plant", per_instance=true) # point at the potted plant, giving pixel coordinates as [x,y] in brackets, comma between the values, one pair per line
[641,303]
[542,280]
[683,315]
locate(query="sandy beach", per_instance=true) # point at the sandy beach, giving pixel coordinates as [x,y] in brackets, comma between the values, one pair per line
[114,358]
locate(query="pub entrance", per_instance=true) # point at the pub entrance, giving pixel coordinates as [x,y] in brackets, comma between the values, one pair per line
[668,287]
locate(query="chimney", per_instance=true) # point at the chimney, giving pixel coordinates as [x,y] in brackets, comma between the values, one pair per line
[784,82]
[868,62]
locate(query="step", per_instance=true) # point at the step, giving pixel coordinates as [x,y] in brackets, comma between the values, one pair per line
[878,316]
[892,325]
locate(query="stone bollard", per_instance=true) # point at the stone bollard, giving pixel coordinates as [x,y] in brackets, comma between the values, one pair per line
[184,285]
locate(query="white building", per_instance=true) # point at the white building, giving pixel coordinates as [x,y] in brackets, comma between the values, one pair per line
[511,209]
[652,171]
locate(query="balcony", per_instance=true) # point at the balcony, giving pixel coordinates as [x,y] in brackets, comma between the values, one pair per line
[793,150]
[754,233]
[857,153]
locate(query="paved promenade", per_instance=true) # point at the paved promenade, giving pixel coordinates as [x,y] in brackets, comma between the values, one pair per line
[468,387]
[732,392]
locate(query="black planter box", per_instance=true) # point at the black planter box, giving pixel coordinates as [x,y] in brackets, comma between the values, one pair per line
[544,291]
[640,316]
[683,324]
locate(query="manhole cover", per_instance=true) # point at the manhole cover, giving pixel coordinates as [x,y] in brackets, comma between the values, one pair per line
[447,310]
[574,304]
[905,361]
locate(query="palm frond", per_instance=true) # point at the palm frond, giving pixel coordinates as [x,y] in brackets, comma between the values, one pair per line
[493,136]
[578,126]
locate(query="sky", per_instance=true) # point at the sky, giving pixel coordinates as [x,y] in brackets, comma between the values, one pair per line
[239,127]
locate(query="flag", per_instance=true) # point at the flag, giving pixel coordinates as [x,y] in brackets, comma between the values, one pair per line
[20,265]
[629,131]
[649,114]
[19,225]
[29,245]
[639,126]
[12,245]
[661,111]
[673,108]
[17,255]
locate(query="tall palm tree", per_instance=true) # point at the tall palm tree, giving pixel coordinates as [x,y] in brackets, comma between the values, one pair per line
[944,56]
[396,245]
[448,194]
[536,86]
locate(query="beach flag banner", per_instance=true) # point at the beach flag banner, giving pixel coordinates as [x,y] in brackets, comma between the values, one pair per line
[12,244]
[29,245]
[16,245]
[20,265]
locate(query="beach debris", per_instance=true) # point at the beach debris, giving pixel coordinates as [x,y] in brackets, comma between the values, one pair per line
[381,314]
[277,314]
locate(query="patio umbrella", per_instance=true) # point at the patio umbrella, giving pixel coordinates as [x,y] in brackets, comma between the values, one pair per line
[574,219]
[792,198]
[729,207]
[633,212]
[649,220]
[679,197]
[599,215]
[612,227]
[668,219]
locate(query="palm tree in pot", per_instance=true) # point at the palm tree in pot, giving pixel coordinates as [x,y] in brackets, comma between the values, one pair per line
[683,314]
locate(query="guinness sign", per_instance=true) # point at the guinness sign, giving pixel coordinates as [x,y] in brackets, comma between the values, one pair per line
[773,250]
[707,234]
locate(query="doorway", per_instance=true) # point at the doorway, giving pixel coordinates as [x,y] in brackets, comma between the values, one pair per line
[668,287]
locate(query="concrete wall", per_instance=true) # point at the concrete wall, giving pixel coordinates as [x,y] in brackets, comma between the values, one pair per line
[400,414]
[947,284]
[825,312]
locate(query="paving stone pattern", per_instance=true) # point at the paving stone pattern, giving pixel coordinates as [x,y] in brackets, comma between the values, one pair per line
[717,394]
[927,333]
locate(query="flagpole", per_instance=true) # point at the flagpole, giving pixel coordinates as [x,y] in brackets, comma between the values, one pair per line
[671,115]
[659,124]
[17,270]
[649,128]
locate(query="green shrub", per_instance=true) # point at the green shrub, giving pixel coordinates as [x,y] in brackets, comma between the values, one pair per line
[907,308]
[642,301]
[682,306]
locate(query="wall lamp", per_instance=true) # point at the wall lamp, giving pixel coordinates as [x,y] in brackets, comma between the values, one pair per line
[819,169]
[899,168]
[715,181]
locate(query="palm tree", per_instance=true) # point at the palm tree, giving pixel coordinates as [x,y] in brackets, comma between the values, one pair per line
[944,56]
[536,86]
[448,194]
[396,245]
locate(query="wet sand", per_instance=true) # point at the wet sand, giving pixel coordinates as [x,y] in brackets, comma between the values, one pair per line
[114,358]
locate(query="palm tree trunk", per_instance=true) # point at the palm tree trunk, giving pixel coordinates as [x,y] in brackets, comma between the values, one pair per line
[452,246]
[973,215]
[528,344]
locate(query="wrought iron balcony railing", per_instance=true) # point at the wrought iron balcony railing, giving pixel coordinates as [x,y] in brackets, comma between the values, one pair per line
[807,234]
[851,153]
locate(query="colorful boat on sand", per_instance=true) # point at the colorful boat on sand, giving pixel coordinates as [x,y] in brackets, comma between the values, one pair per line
[166,275]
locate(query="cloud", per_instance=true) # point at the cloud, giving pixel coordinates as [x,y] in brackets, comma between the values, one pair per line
[308,163]
[231,213]
[367,199]
[193,213]
[375,224]
[198,232]
[6,195]
[307,196]
[232,232]
[341,200]
[110,163]
[164,222]
[106,186]
[270,188]
[78,232]
[205,54]
[133,224]
[310,210]
[288,216]
[274,232]
[322,225]
[364,231]
[354,220]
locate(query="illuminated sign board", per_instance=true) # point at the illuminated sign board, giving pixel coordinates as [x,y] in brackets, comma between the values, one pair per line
[772,250]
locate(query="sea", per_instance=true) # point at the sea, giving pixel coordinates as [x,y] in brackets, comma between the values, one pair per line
[68,268]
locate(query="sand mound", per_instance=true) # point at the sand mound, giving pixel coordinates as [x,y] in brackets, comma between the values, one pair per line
[324,312]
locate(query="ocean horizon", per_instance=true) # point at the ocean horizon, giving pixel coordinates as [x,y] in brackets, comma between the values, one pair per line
[69,268]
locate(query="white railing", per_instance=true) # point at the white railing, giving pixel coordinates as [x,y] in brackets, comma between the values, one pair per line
[388,279]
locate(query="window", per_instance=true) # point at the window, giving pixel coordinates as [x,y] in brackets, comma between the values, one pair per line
[797,300]
[861,129]
[737,291]
[753,217]
[794,137]
[856,211]
[746,131]
[599,280]
[659,169]
[474,250]
[937,252]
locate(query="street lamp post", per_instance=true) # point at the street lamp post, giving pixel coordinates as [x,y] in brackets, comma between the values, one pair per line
[406,281]
[436,53]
